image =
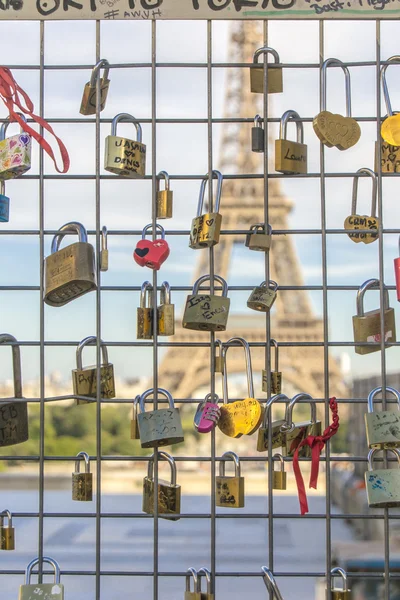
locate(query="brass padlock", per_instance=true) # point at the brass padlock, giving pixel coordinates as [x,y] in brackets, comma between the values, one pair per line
[84,379]
[257,135]
[166,311]
[15,151]
[14,413]
[206,228]
[123,156]
[290,157]
[196,594]
[276,375]
[160,427]
[207,312]
[82,483]
[274,77]
[218,360]
[367,326]
[88,104]
[69,273]
[279,477]
[145,313]
[270,584]
[104,250]
[257,239]
[389,161]
[164,197]
[383,427]
[4,204]
[47,591]
[209,595]
[295,433]
[390,128]
[277,436]
[7,534]
[336,593]
[263,296]
[382,485]
[169,493]
[363,223]
[230,489]
[134,421]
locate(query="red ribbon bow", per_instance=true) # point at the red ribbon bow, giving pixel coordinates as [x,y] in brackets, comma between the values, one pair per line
[317,444]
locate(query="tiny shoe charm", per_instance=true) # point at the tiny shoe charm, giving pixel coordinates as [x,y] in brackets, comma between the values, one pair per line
[150,253]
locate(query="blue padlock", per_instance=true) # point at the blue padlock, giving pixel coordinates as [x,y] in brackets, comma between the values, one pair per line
[4,204]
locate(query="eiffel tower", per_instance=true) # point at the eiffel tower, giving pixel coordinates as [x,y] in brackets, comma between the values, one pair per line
[242,204]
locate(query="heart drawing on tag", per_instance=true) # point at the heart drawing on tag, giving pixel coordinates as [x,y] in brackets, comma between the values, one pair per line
[242,417]
[209,222]
[151,254]
[362,223]
[336,130]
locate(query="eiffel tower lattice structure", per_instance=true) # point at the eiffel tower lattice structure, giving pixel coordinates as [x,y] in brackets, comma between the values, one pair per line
[242,205]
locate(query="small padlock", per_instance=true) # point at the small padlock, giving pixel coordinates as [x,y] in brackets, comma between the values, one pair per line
[166,311]
[382,485]
[218,362]
[70,272]
[84,379]
[169,493]
[15,151]
[275,427]
[123,156]
[290,157]
[276,375]
[336,593]
[390,128]
[279,477]
[383,427]
[104,250]
[397,273]
[257,135]
[367,326]
[145,313]
[209,595]
[160,427]
[270,584]
[295,433]
[47,591]
[151,253]
[257,239]
[196,594]
[14,414]
[82,483]
[134,421]
[230,489]
[389,161]
[363,223]
[274,77]
[207,414]
[206,228]
[7,534]
[263,296]
[88,104]
[4,204]
[164,197]
[207,312]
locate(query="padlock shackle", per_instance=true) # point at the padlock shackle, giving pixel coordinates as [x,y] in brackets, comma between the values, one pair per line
[207,575]
[335,61]
[229,456]
[103,63]
[145,290]
[272,285]
[86,458]
[343,574]
[45,559]
[162,455]
[288,425]
[355,190]
[165,293]
[91,340]
[204,278]
[16,361]
[265,50]
[159,228]
[215,175]
[149,392]
[6,123]
[268,406]
[254,228]
[220,345]
[274,343]
[270,583]
[72,227]
[3,188]
[392,59]
[372,452]
[290,115]
[159,176]
[191,572]
[257,121]
[104,235]
[368,285]
[249,372]
[6,514]
[126,118]
[279,457]
[378,390]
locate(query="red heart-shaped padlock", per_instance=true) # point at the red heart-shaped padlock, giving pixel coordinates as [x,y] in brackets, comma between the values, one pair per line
[151,254]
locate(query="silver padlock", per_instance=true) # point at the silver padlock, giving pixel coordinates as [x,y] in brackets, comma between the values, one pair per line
[263,296]
[160,427]
[382,485]
[45,591]
[257,135]
[383,427]
[258,239]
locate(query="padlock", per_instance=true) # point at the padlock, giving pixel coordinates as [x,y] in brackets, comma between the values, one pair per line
[276,375]
[390,128]
[230,489]
[295,433]
[151,253]
[274,77]
[290,157]
[15,151]
[7,534]
[196,594]
[389,161]
[207,414]
[123,156]
[14,414]
[207,312]
[84,379]
[367,326]
[270,584]
[257,239]
[277,436]
[257,135]
[169,493]
[336,593]
[4,204]
[160,427]
[166,311]
[383,427]
[242,417]
[363,223]
[382,485]
[332,129]
[263,296]
[104,250]
[45,591]
[145,313]
[209,595]
[279,477]
[88,104]
[82,483]
[397,273]
[206,227]
[218,362]
[164,197]
[70,272]
[134,421]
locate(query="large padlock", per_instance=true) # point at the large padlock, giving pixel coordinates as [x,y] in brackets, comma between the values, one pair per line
[144,330]
[290,157]
[164,197]
[123,156]
[257,239]
[84,379]
[206,227]
[104,250]
[14,413]
[382,485]
[277,437]
[169,492]
[295,433]
[276,374]
[151,253]
[270,584]
[257,135]
[15,151]
[70,272]
[82,483]
[209,595]
[367,325]
[397,273]
[4,204]
[207,414]
[88,104]
[207,312]
[166,311]
[343,593]
[263,296]
[191,573]
[230,489]
[383,427]
[363,223]
[274,76]
[160,427]
[134,421]
[45,591]
[390,128]
[279,477]
[7,533]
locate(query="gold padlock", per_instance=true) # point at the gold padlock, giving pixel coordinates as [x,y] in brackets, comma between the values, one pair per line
[166,311]
[104,250]
[279,477]
[382,485]
[230,489]
[15,151]
[295,433]
[383,427]
[257,239]
[84,379]
[69,273]
[390,128]
[218,360]
[169,492]
[82,483]
[164,197]
[389,161]
[160,427]
[263,296]
[274,77]
[276,375]
[134,421]
[145,313]
[88,104]
[50,591]
[196,594]
[209,595]
[274,429]
[290,157]
[206,228]
[7,534]
[123,156]
[363,223]
[14,413]
[337,593]
[207,312]
[270,584]
[367,326]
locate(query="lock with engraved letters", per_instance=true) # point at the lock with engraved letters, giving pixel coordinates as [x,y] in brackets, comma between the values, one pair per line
[151,253]
[4,204]
[13,413]
[277,437]
[88,104]
[363,222]
[274,76]
[70,272]
[104,250]
[205,229]
[257,239]
[169,492]
[207,414]
[123,156]
[383,427]
[263,296]
[390,128]
[294,433]
[166,311]
[84,379]
[145,312]
[270,584]
[290,157]
[160,427]
[15,151]
[276,374]
[82,483]
[279,477]
[367,325]
[209,595]
[42,591]
[343,593]
[207,312]
[230,489]
[257,135]
[164,197]
[383,485]
[7,533]
[191,573]
[134,421]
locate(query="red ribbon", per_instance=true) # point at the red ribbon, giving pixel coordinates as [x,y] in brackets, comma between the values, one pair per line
[9,93]
[317,444]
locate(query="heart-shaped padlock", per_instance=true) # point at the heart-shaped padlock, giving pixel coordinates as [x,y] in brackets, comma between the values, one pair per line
[363,222]
[207,414]
[151,253]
